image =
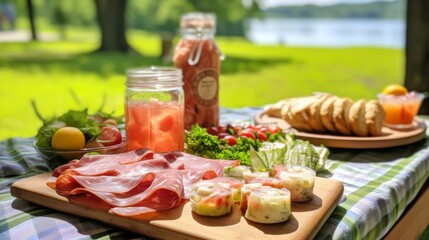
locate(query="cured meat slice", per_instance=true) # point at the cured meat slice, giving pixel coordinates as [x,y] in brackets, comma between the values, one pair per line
[182,160]
[116,168]
[108,169]
[164,192]
[122,158]
[136,182]
[104,159]
[77,184]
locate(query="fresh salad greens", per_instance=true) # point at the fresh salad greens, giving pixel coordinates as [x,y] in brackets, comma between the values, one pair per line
[256,146]
[228,142]
[89,124]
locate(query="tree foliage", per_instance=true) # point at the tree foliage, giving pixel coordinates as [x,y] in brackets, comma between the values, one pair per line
[164,15]
[155,16]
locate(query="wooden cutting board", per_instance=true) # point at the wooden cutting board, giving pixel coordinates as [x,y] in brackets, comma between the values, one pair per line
[181,223]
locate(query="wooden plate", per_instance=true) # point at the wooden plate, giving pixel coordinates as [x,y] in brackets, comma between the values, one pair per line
[181,223]
[390,138]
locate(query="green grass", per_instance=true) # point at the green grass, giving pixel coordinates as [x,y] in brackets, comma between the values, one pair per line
[53,72]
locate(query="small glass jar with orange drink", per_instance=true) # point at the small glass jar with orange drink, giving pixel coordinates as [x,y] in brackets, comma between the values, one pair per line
[154,108]
[400,105]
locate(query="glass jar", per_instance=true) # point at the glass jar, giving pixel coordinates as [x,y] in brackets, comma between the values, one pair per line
[154,105]
[199,58]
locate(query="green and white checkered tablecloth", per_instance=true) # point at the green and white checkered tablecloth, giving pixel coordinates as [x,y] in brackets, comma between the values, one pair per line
[378,186]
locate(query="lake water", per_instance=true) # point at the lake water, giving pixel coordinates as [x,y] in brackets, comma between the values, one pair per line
[328,32]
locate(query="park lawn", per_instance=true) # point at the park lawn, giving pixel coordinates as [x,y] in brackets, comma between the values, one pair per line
[63,75]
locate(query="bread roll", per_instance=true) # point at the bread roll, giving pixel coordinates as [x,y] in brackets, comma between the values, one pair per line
[274,110]
[313,112]
[374,117]
[294,113]
[357,118]
[340,115]
[326,114]
[323,112]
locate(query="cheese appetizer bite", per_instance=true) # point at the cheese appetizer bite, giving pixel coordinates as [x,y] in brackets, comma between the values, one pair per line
[209,199]
[230,183]
[247,176]
[266,181]
[268,205]
[237,171]
[245,192]
[299,180]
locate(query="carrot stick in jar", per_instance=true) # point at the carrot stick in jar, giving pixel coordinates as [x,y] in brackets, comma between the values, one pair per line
[199,58]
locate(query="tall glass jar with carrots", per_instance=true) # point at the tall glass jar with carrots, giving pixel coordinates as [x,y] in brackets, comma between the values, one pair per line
[199,58]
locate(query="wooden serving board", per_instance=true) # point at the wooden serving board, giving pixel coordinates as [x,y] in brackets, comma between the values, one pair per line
[390,137]
[181,223]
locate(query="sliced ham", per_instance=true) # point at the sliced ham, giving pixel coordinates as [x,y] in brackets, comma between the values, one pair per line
[182,160]
[78,184]
[136,182]
[104,159]
[163,192]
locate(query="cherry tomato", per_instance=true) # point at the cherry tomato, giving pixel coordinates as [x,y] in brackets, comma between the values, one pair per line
[274,130]
[109,136]
[213,131]
[247,133]
[222,135]
[262,129]
[231,140]
[262,136]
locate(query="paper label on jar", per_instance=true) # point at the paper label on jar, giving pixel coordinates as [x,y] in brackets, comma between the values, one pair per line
[205,87]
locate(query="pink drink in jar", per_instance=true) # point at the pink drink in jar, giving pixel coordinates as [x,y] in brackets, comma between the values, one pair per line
[154,109]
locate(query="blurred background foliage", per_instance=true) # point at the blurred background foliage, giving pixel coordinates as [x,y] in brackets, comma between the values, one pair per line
[164,15]
[149,15]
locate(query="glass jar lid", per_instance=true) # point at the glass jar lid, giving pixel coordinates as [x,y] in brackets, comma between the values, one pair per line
[198,20]
[154,77]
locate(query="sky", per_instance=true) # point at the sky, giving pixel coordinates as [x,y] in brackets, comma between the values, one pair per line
[273,3]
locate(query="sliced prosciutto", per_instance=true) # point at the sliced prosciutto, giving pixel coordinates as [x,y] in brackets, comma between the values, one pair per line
[183,160]
[163,192]
[136,182]
[105,159]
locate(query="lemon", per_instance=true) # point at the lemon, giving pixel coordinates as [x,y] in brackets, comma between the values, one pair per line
[68,138]
[395,89]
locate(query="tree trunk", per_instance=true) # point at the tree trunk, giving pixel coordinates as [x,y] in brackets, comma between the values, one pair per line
[30,11]
[111,19]
[417,49]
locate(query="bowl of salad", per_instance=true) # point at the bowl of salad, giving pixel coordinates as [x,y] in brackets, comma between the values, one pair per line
[76,133]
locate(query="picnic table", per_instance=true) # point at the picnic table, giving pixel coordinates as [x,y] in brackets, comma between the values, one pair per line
[385,193]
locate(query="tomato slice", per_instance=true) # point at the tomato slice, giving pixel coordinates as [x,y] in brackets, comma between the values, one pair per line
[109,136]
